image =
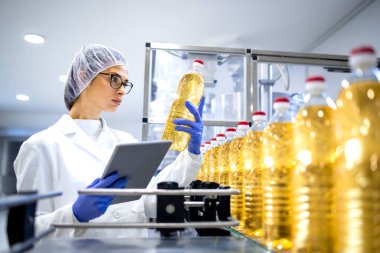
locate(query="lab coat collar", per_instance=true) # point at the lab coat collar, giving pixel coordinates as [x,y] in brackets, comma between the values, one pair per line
[68,127]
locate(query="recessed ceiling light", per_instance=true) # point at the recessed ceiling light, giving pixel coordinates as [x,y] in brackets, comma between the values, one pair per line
[63,78]
[34,38]
[22,97]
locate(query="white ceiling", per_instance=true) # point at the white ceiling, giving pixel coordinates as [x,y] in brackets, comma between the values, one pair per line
[323,26]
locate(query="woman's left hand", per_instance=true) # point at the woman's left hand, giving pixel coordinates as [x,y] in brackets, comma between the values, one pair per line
[195,129]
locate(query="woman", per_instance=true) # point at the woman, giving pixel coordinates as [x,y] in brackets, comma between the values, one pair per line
[73,152]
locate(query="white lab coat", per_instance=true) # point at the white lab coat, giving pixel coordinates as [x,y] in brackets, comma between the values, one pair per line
[63,158]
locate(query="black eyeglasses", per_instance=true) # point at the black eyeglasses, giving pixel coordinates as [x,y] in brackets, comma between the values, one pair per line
[116,82]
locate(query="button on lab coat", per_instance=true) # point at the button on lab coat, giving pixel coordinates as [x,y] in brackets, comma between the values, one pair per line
[63,158]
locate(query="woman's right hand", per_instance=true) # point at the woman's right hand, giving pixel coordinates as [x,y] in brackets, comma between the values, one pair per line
[88,207]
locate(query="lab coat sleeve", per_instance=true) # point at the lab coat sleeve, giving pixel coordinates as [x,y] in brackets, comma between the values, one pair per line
[183,170]
[32,173]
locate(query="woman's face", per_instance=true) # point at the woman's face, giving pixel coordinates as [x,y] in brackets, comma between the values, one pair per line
[100,93]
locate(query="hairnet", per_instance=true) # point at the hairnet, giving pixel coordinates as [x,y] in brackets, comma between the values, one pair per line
[88,62]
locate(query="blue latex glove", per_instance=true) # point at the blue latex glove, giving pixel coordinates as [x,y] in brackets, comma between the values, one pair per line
[88,207]
[195,129]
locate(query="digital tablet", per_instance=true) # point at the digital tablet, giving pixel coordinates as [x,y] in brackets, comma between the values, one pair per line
[137,162]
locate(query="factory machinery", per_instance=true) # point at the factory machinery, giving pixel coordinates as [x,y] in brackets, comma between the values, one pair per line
[188,220]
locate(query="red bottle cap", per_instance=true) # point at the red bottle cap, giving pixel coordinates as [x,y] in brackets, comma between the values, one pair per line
[243,123]
[199,61]
[363,50]
[220,135]
[281,100]
[231,129]
[315,79]
[258,113]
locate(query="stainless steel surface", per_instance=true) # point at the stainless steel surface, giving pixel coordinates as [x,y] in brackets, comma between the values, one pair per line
[146,81]
[16,200]
[168,46]
[255,93]
[217,224]
[151,245]
[194,203]
[304,61]
[128,192]
[295,55]
[225,123]
[206,122]
[249,87]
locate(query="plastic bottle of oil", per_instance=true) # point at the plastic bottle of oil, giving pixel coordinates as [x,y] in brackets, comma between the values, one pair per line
[224,167]
[190,88]
[209,171]
[312,181]
[215,158]
[204,167]
[200,173]
[357,173]
[237,170]
[252,156]
[279,163]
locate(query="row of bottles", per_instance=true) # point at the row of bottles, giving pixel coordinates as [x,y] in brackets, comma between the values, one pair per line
[309,183]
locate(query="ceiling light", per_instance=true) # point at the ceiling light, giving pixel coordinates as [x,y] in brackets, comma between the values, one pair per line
[63,78]
[22,97]
[34,38]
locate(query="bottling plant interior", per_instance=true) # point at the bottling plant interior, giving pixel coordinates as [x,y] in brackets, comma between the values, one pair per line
[140,126]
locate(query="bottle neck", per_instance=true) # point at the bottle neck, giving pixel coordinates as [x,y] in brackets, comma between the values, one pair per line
[196,69]
[242,132]
[363,74]
[282,115]
[315,98]
[230,137]
[259,126]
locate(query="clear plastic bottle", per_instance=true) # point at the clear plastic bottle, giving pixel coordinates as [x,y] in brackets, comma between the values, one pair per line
[312,181]
[223,164]
[252,156]
[204,167]
[357,172]
[214,166]
[279,163]
[190,88]
[200,172]
[209,171]
[237,170]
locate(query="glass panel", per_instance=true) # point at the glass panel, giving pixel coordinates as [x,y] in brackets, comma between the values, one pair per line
[224,76]
[289,80]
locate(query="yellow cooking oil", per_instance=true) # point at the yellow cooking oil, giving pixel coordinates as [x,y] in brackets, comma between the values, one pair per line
[207,161]
[190,88]
[223,163]
[312,182]
[252,156]
[200,174]
[357,177]
[279,164]
[214,156]
[357,172]
[237,172]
